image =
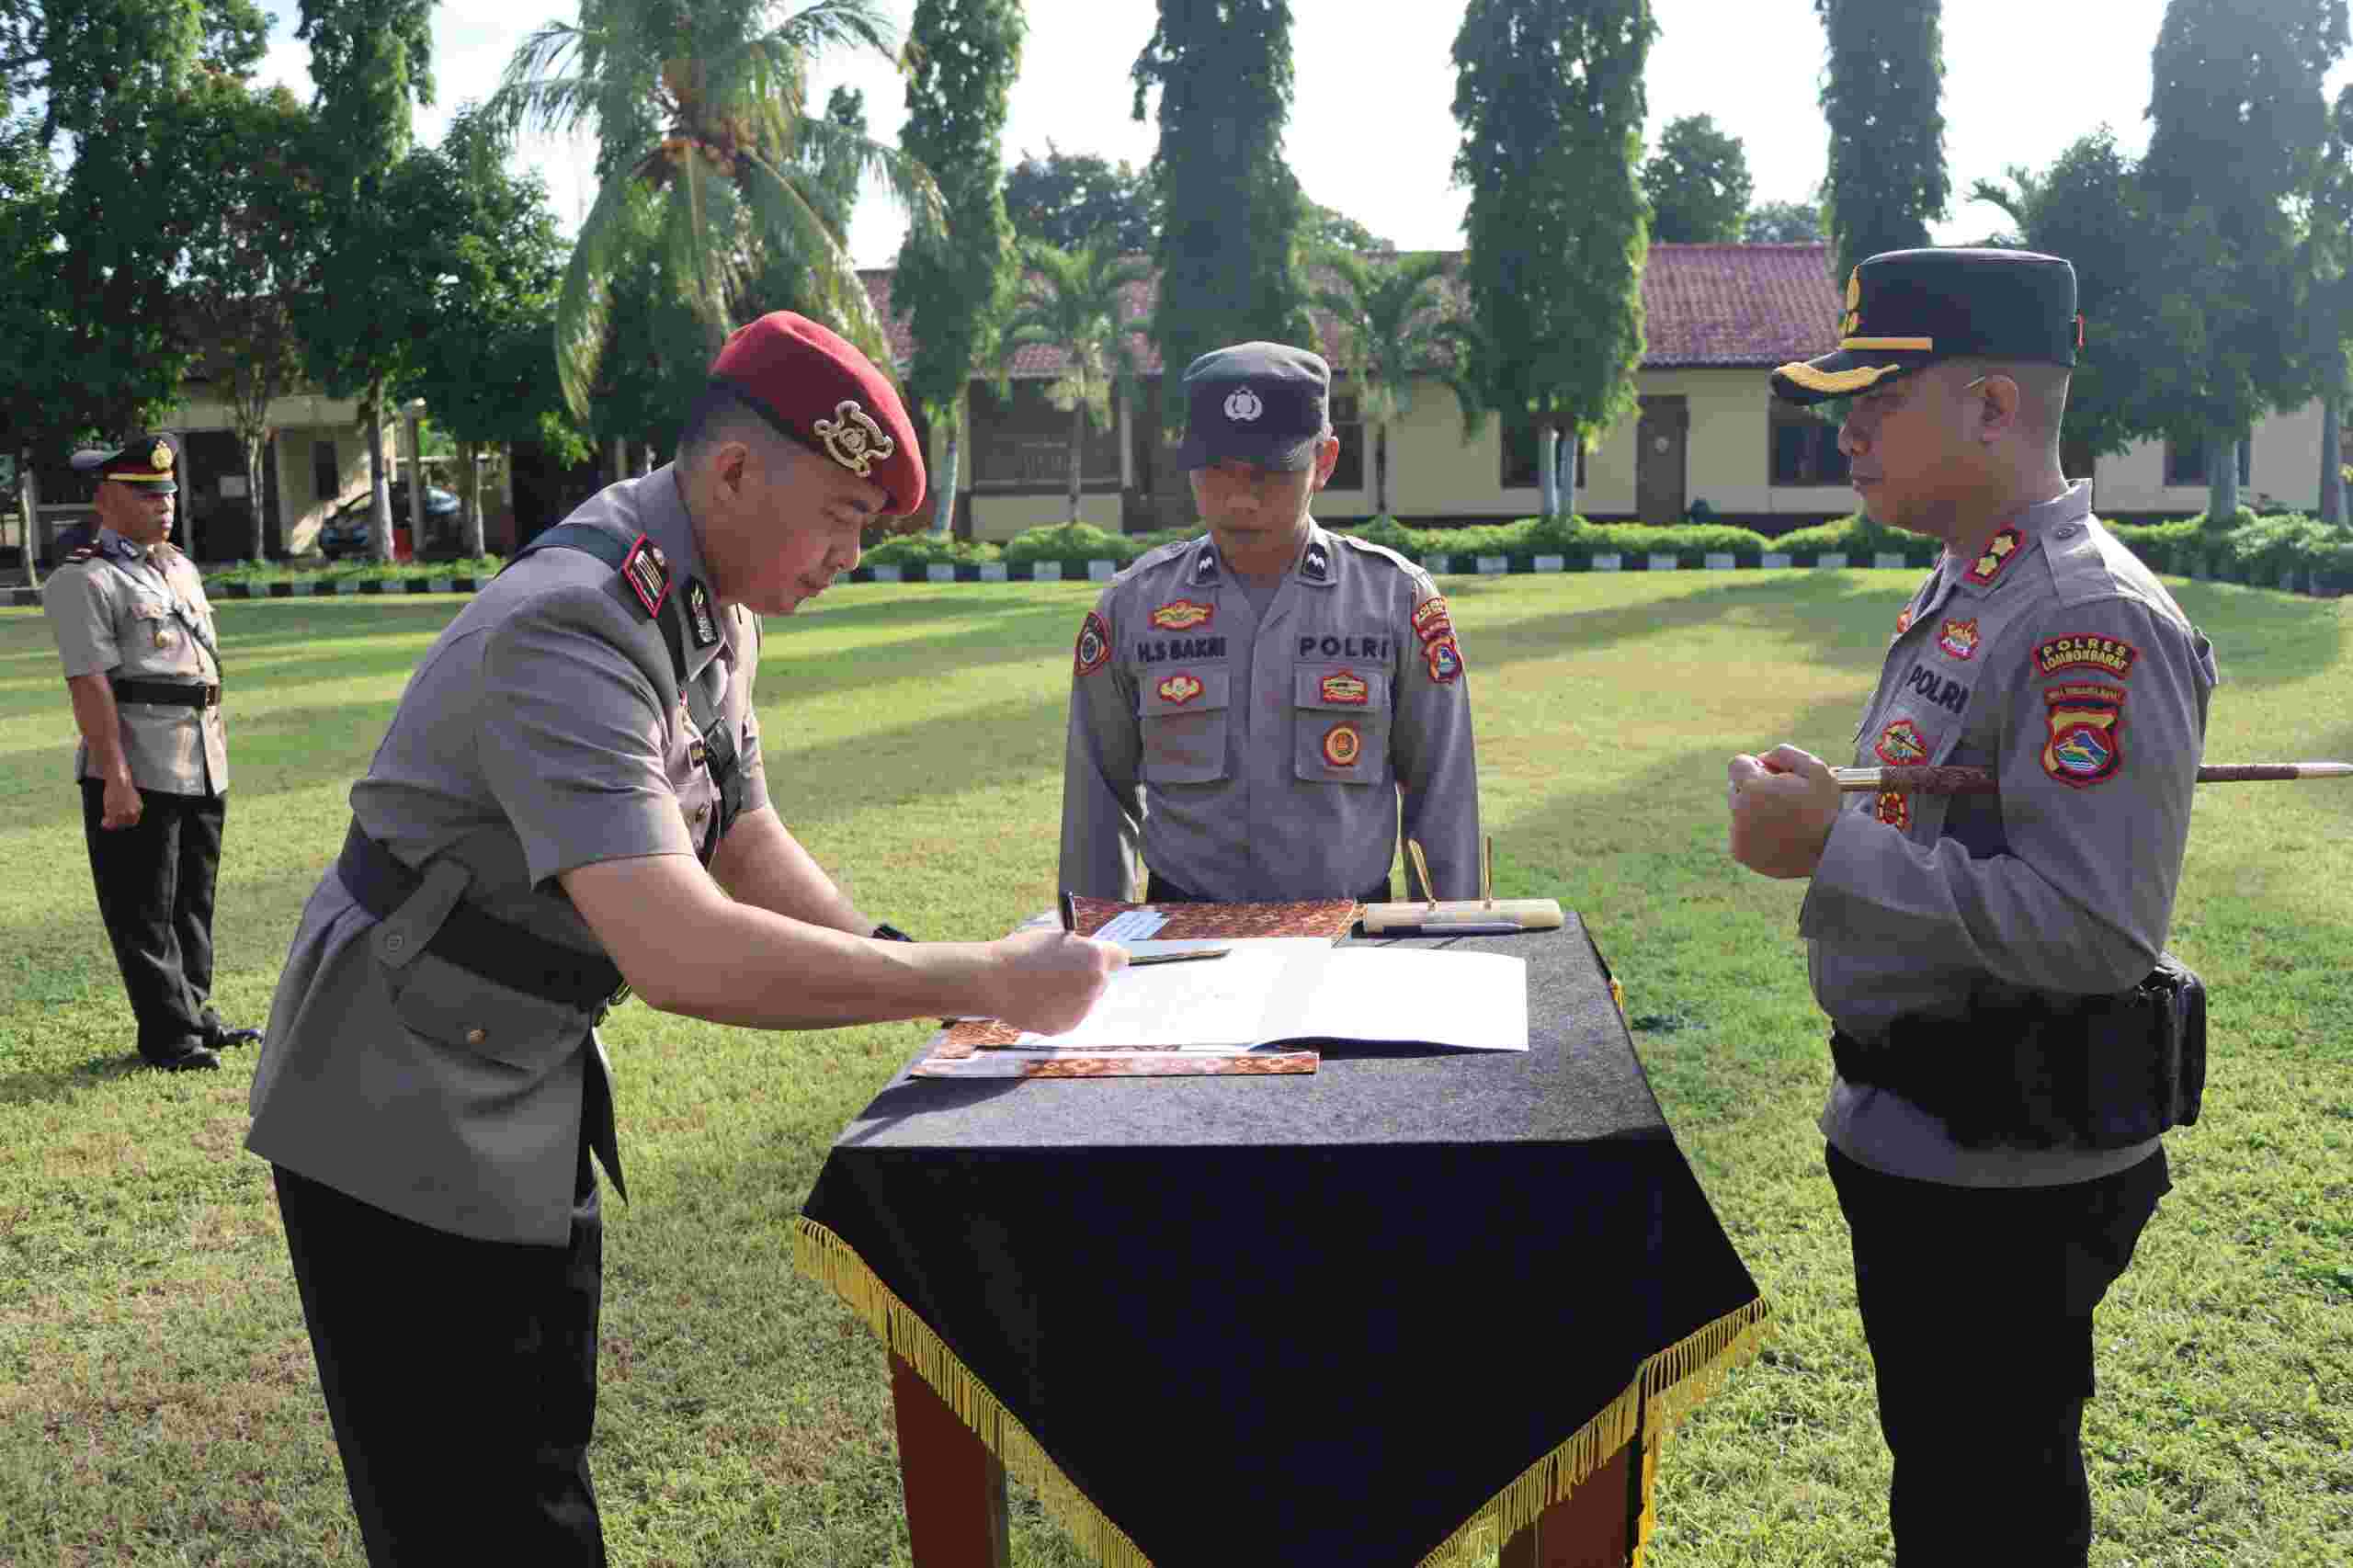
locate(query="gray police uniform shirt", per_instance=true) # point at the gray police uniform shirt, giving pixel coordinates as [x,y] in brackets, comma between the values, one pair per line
[2059,662]
[543,730]
[141,614]
[1259,757]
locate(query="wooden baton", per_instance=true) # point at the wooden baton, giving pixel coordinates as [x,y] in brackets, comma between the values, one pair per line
[1979,781]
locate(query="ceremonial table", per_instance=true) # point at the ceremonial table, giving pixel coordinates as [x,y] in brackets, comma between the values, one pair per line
[1381,1314]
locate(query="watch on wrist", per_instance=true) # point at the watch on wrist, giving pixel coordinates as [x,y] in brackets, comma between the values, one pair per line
[890,934]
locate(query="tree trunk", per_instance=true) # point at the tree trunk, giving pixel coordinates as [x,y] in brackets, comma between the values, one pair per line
[2331,457]
[253,443]
[379,494]
[1565,485]
[1077,440]
[1548,477]
[621,459]
[1381,469]
[2221,477]
[28,493]
[943,500]
[415,483]
[472,544]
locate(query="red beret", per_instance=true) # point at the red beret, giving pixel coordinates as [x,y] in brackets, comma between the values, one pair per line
[822,392]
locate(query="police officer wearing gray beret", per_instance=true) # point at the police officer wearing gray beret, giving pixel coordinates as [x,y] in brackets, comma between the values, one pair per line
[571,804]
[142,664]
[1247,707]
[2009,1038]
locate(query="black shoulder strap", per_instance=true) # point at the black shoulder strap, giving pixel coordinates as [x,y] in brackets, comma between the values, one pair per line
[613,552]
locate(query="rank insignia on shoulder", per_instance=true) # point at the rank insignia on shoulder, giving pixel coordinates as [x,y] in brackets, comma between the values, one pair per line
[1183,614]
[648,573]
[1316,564]
[1959,637]
[701,625]
[1343,745]
[2000,551]
[1894,809]
[1094,644]
[1445,660]
[1901,745]
[2085,651]
[1179,689]
[1347,687]
[1205,567]
[2087,743]
[1431,620]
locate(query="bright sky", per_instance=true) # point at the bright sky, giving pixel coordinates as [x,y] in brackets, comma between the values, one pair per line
[1372,131]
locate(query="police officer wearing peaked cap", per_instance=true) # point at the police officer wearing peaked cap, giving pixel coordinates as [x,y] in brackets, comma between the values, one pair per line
[571,802]
[1246,707]
[142,664]
[2009,1037]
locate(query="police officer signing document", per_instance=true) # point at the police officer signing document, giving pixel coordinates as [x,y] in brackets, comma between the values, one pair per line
[142,664]
[2009,1039]
[570,799]
[1247,706]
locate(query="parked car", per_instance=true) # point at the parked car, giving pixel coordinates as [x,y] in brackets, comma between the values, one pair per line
[345,530]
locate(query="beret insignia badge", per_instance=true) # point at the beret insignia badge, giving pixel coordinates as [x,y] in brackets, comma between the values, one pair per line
[161,462]
[1243,406]
[1179,689]
[853,440]
[1854,321]
[1343,744]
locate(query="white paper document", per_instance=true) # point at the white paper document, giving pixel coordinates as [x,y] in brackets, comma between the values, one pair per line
[1269,991]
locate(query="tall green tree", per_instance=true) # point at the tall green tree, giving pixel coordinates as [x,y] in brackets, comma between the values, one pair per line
[700,110]
[1549,93]
[483,372]
[2238,122]
[1782,223]
[953,290]
[1231,213]
[1068,199]
[1883,96]
[2329,266]
[32,316]
[1392,330]
[1076,301]
[1329,229]
[1697,183]
[246,263]
[370,61]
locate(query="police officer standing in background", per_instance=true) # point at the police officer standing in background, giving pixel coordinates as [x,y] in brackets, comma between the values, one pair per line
[1246,707]
[142,664]
[2008,1037]
[571,798]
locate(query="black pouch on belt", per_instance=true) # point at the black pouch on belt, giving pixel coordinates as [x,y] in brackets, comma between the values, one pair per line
[2143,1065]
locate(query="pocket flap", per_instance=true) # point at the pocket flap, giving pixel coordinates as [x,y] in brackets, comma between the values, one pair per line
[1343,688]
[1173,691]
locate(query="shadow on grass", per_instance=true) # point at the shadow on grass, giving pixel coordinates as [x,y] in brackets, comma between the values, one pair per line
[39,1087]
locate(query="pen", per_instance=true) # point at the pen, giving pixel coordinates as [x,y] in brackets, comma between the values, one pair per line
[1135,962]
[1070,914]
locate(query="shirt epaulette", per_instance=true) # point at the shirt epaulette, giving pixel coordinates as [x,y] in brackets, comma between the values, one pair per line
[81,553]
[1157,556]
[1369,548]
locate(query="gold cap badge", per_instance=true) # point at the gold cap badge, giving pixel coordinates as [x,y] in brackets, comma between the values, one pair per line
[1854,322]
[853,440]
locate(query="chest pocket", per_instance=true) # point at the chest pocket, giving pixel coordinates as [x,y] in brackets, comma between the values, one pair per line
[1340,722]
[1183,715]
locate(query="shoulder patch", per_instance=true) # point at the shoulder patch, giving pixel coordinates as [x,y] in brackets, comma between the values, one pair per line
[648,574]
[2087,741]
[1094,645]
[1445,659]
[2000,551]
[2085,649]
[1432,621]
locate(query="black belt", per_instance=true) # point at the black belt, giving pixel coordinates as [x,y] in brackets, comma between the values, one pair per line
[165,693]
[475,941]
[1160,889]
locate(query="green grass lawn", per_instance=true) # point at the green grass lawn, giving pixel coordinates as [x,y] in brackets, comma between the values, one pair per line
[157,1399]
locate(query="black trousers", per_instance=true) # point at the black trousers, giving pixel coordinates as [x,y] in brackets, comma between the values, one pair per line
[1977,1302]
[155,882]
[461,1376]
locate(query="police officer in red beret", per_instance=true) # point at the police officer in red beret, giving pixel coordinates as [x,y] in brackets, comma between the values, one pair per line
[570,807]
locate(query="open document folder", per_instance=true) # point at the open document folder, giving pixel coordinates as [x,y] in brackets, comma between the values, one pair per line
[1275,993]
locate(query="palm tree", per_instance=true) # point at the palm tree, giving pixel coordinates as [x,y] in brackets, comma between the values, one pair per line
[1074,301]
[701,111]
[1394,330]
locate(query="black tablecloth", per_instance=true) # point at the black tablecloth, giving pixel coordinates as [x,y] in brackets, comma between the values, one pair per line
[1354,1317]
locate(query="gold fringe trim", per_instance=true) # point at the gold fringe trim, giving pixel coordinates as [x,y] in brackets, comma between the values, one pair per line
[1670,1386]
[825,1257]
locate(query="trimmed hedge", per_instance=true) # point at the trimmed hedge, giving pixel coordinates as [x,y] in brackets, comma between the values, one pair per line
[1578,541]
[930,550]
[1073,541]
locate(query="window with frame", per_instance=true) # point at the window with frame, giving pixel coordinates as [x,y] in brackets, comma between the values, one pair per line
[1347,424]
[1803,448]
[326,472]
[1022,441]
[1523,448]
[2186,464]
